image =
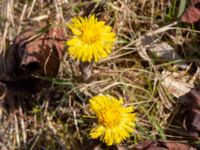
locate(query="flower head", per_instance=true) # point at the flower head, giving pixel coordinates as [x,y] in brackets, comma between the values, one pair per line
[115,122]
[92,39]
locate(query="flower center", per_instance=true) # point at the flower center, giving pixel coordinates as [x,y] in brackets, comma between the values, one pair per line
[111,117]
[90,34]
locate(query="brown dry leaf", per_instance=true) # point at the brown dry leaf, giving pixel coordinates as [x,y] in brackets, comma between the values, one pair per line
[192,117]
[150,145]
[151,47]
[193,98]
[192,122]
[192,13]
[177,87]
[177,146]
[37,53]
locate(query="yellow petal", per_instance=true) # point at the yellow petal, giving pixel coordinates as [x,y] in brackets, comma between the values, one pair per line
[96,38]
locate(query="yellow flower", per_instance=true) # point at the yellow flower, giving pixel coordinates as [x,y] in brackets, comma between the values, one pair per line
[92,39]
[115,122]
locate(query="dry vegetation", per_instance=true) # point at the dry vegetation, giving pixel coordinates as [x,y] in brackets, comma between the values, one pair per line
[54,118]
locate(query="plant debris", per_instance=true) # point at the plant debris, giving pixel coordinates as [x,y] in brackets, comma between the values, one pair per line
[37,53]
[150,145]
[192,13]
[153,67]
[192,116]
[192,122]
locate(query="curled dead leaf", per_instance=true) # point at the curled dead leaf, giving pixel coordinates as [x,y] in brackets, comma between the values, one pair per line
[192,123]
[37,52]
[193,98]
[195,101]
[147,145]
[178,146]
[192,13]
[160,145]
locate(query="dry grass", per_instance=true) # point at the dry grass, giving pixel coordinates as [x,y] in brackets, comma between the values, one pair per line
[53,118]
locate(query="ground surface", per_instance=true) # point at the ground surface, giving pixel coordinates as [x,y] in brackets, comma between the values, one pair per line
[152,51]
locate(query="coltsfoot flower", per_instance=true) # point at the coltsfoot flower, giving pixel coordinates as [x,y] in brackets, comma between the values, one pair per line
[92,40]
[115,122]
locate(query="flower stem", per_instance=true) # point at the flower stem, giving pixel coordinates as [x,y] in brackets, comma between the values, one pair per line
[86,70]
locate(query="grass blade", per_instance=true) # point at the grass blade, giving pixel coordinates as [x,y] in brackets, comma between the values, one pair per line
[182,6]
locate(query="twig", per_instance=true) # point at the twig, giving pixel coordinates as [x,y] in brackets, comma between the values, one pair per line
[22,17]
[3,45]
[24,135]
[126,84]
[75,121]
[59,11]
[47,60]
[31,9]
[77,128]
[54,131]
[17,131]
[36,140]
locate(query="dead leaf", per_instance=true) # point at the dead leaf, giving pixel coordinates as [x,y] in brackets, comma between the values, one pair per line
[177,146]
[148,145]
[177,87]
[37,52]
[160,145]
[192,13]
[151,47]
[193,98]
[192,122]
